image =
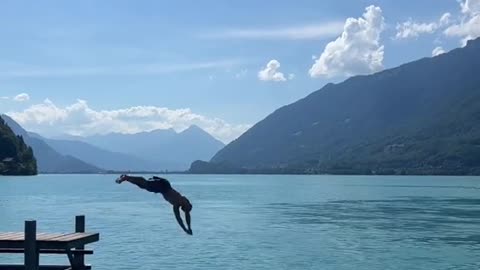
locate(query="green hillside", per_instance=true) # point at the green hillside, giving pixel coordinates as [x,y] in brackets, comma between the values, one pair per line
[420,118]
[16,158]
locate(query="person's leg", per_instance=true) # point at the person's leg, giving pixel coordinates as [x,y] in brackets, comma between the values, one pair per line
[138,181]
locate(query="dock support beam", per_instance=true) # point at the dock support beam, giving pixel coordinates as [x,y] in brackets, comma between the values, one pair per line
[31,258]
[80,228]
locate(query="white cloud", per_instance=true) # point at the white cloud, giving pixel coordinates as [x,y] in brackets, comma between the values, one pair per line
[470,7]
[149,69]
[438,51]
[445,19]
[314,57]
[22,97]
[468,26]
[271,73]
[291,76]
[357,50]
[411,29]
[79,119]
[4,98]
[314,31]
[467,29]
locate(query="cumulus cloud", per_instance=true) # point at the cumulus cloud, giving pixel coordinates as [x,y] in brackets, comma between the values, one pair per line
[313,31]
[468,26]
[470,7]
[411,29]
[271,73]
[357,50]
[81,120]
[438,51]
[291,76]
[22,97]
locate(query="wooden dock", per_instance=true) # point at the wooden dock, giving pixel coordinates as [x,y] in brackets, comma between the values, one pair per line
[32,244]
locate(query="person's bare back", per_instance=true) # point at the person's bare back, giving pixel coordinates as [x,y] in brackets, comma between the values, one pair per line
[162,186]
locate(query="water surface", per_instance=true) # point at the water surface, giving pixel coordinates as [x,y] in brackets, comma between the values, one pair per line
[260,222]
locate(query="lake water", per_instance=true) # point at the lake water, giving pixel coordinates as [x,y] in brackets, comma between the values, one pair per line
[260,222]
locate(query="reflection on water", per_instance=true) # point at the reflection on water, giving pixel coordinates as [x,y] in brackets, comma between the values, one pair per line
[418,186]
[440,217]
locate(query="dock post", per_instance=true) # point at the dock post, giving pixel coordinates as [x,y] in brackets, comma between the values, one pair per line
[80,228]
[31,258]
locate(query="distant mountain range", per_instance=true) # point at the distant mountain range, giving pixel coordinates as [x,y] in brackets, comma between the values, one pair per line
[420,118]
[102,158]
[162,149]
[154,151]
[49,160]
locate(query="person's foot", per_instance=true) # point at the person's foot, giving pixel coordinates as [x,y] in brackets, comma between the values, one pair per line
[120,179]
[189,231]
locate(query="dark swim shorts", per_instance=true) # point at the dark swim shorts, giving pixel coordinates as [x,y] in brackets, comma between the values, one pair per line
[159,185]
[187,207]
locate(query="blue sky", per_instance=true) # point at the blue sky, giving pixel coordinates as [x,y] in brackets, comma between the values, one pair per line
[140,65]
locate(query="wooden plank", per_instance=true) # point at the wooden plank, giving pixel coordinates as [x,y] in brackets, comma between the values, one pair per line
[11,236]
[82,239]
[41,235]
[77,237]
[43,267]
[55,241]
[46,251]
[60,237]
[91,238]
[21,236]
[17,237]
[5,235]
[48,236]
[71,237]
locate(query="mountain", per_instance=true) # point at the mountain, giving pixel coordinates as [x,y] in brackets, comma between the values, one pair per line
[16,158]
[49,160]
[131,143]
[419,118]
[100,157]
[166,149]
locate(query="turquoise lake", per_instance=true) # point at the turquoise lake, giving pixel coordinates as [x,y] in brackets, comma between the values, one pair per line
[259,222]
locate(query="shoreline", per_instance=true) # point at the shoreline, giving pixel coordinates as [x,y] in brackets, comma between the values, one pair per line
[188,173]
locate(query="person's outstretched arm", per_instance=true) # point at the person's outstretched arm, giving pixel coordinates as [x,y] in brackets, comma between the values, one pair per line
[176,211]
